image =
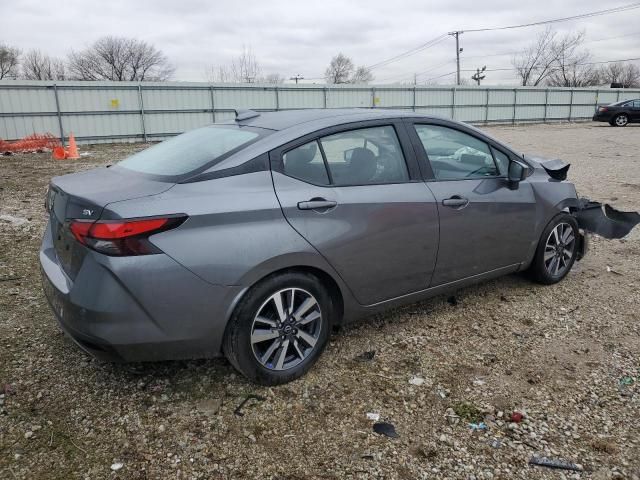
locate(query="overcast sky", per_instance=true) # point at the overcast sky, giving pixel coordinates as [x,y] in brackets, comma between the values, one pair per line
[300,37]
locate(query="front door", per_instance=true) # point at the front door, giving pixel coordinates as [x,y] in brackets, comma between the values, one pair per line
[484,225]
[635,111]
[352,195]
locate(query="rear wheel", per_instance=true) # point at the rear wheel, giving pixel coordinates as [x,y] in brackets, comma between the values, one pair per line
[557,250]
[620,120]
[280,328]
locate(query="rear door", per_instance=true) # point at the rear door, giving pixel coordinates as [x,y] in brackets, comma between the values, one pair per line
[355,193]
[484,225]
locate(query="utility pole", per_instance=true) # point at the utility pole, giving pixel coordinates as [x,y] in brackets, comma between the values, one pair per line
[296,78]
[458,50]
[477,77]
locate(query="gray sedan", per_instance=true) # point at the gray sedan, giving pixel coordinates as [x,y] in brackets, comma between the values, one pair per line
[254,238]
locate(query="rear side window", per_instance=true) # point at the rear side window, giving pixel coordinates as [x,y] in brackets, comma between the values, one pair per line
[192,150]
[305,163]
[636,104]
[455,155]
[365,156]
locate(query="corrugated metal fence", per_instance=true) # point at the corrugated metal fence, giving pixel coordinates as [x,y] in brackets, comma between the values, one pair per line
[125,111]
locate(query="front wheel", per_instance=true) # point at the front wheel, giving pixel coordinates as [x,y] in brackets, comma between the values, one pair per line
[620,120]
[279,329]
[557,250]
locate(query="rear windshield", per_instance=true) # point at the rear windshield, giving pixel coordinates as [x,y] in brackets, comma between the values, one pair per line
[192,150]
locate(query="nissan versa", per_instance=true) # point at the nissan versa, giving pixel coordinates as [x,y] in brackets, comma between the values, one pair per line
[252,239]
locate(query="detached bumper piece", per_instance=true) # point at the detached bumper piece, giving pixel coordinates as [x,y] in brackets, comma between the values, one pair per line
[556,169]
[604,220]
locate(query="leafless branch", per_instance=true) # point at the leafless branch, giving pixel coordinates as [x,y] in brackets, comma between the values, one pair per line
[118,58]
[9,60]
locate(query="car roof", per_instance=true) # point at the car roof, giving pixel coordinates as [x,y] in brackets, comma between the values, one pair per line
[285,119]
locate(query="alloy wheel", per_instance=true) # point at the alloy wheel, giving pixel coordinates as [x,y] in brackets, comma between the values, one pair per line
[559,248]
[286,329]
[621,120]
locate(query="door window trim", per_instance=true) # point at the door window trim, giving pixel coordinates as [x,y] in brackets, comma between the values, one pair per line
[404,141]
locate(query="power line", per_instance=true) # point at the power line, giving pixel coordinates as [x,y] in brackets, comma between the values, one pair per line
[521,51]
[598,13]
[408,53]
[413,51]
[510,69]
[436,40]
[505,69]
[407,74]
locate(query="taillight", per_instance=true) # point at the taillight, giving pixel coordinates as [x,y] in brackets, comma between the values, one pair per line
[122,237]
[602,109]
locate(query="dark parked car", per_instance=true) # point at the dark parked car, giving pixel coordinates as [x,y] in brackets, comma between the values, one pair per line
[256,237]
[619,114]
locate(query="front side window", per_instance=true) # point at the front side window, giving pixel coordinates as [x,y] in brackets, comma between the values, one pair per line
[305,163]
[455,155]
[365,156]
[190,151]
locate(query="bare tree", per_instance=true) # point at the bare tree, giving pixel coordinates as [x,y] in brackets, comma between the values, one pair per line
[339,70]
[627,75]
[572,68]
[245,67]
[218,74]
[119,58]
[40,66]
[274,78]
[537,61]
[362,75]
[9,60]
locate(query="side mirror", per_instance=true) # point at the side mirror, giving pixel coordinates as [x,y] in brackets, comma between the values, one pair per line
[517,172]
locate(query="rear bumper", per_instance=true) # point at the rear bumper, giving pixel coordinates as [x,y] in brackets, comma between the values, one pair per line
[602,117]
[136,308]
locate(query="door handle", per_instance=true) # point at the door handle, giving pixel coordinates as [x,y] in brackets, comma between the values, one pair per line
[317,204]
[456,202]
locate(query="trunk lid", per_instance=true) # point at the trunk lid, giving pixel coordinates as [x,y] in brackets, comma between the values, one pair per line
[84,196]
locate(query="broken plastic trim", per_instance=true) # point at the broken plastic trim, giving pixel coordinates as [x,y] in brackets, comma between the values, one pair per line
[604,220]
[557,169]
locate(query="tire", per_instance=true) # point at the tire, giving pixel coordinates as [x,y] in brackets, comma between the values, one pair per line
[553,269]
[261,360]
[620,120]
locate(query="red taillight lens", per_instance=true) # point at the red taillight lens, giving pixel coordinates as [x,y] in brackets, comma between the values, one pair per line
[122,237]
[115,230]
[602,109]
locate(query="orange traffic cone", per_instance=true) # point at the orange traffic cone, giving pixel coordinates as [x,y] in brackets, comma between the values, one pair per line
[72,151]
[59,153]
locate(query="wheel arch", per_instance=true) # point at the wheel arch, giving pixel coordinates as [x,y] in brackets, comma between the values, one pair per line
[341,296]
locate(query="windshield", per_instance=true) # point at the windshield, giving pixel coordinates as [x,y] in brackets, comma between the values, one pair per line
[191,150]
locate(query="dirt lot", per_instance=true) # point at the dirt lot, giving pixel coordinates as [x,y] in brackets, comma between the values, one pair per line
[567,356]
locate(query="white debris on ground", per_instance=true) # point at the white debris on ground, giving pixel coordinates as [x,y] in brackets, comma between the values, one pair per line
[13,221]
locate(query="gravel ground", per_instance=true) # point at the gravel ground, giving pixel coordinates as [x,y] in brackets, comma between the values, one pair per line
[566,356]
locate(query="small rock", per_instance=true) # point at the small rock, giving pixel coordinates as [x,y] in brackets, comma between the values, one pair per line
[417,381]
[28,434]
[116,466]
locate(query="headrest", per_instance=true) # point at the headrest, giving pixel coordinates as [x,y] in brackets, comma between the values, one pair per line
[304,154]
